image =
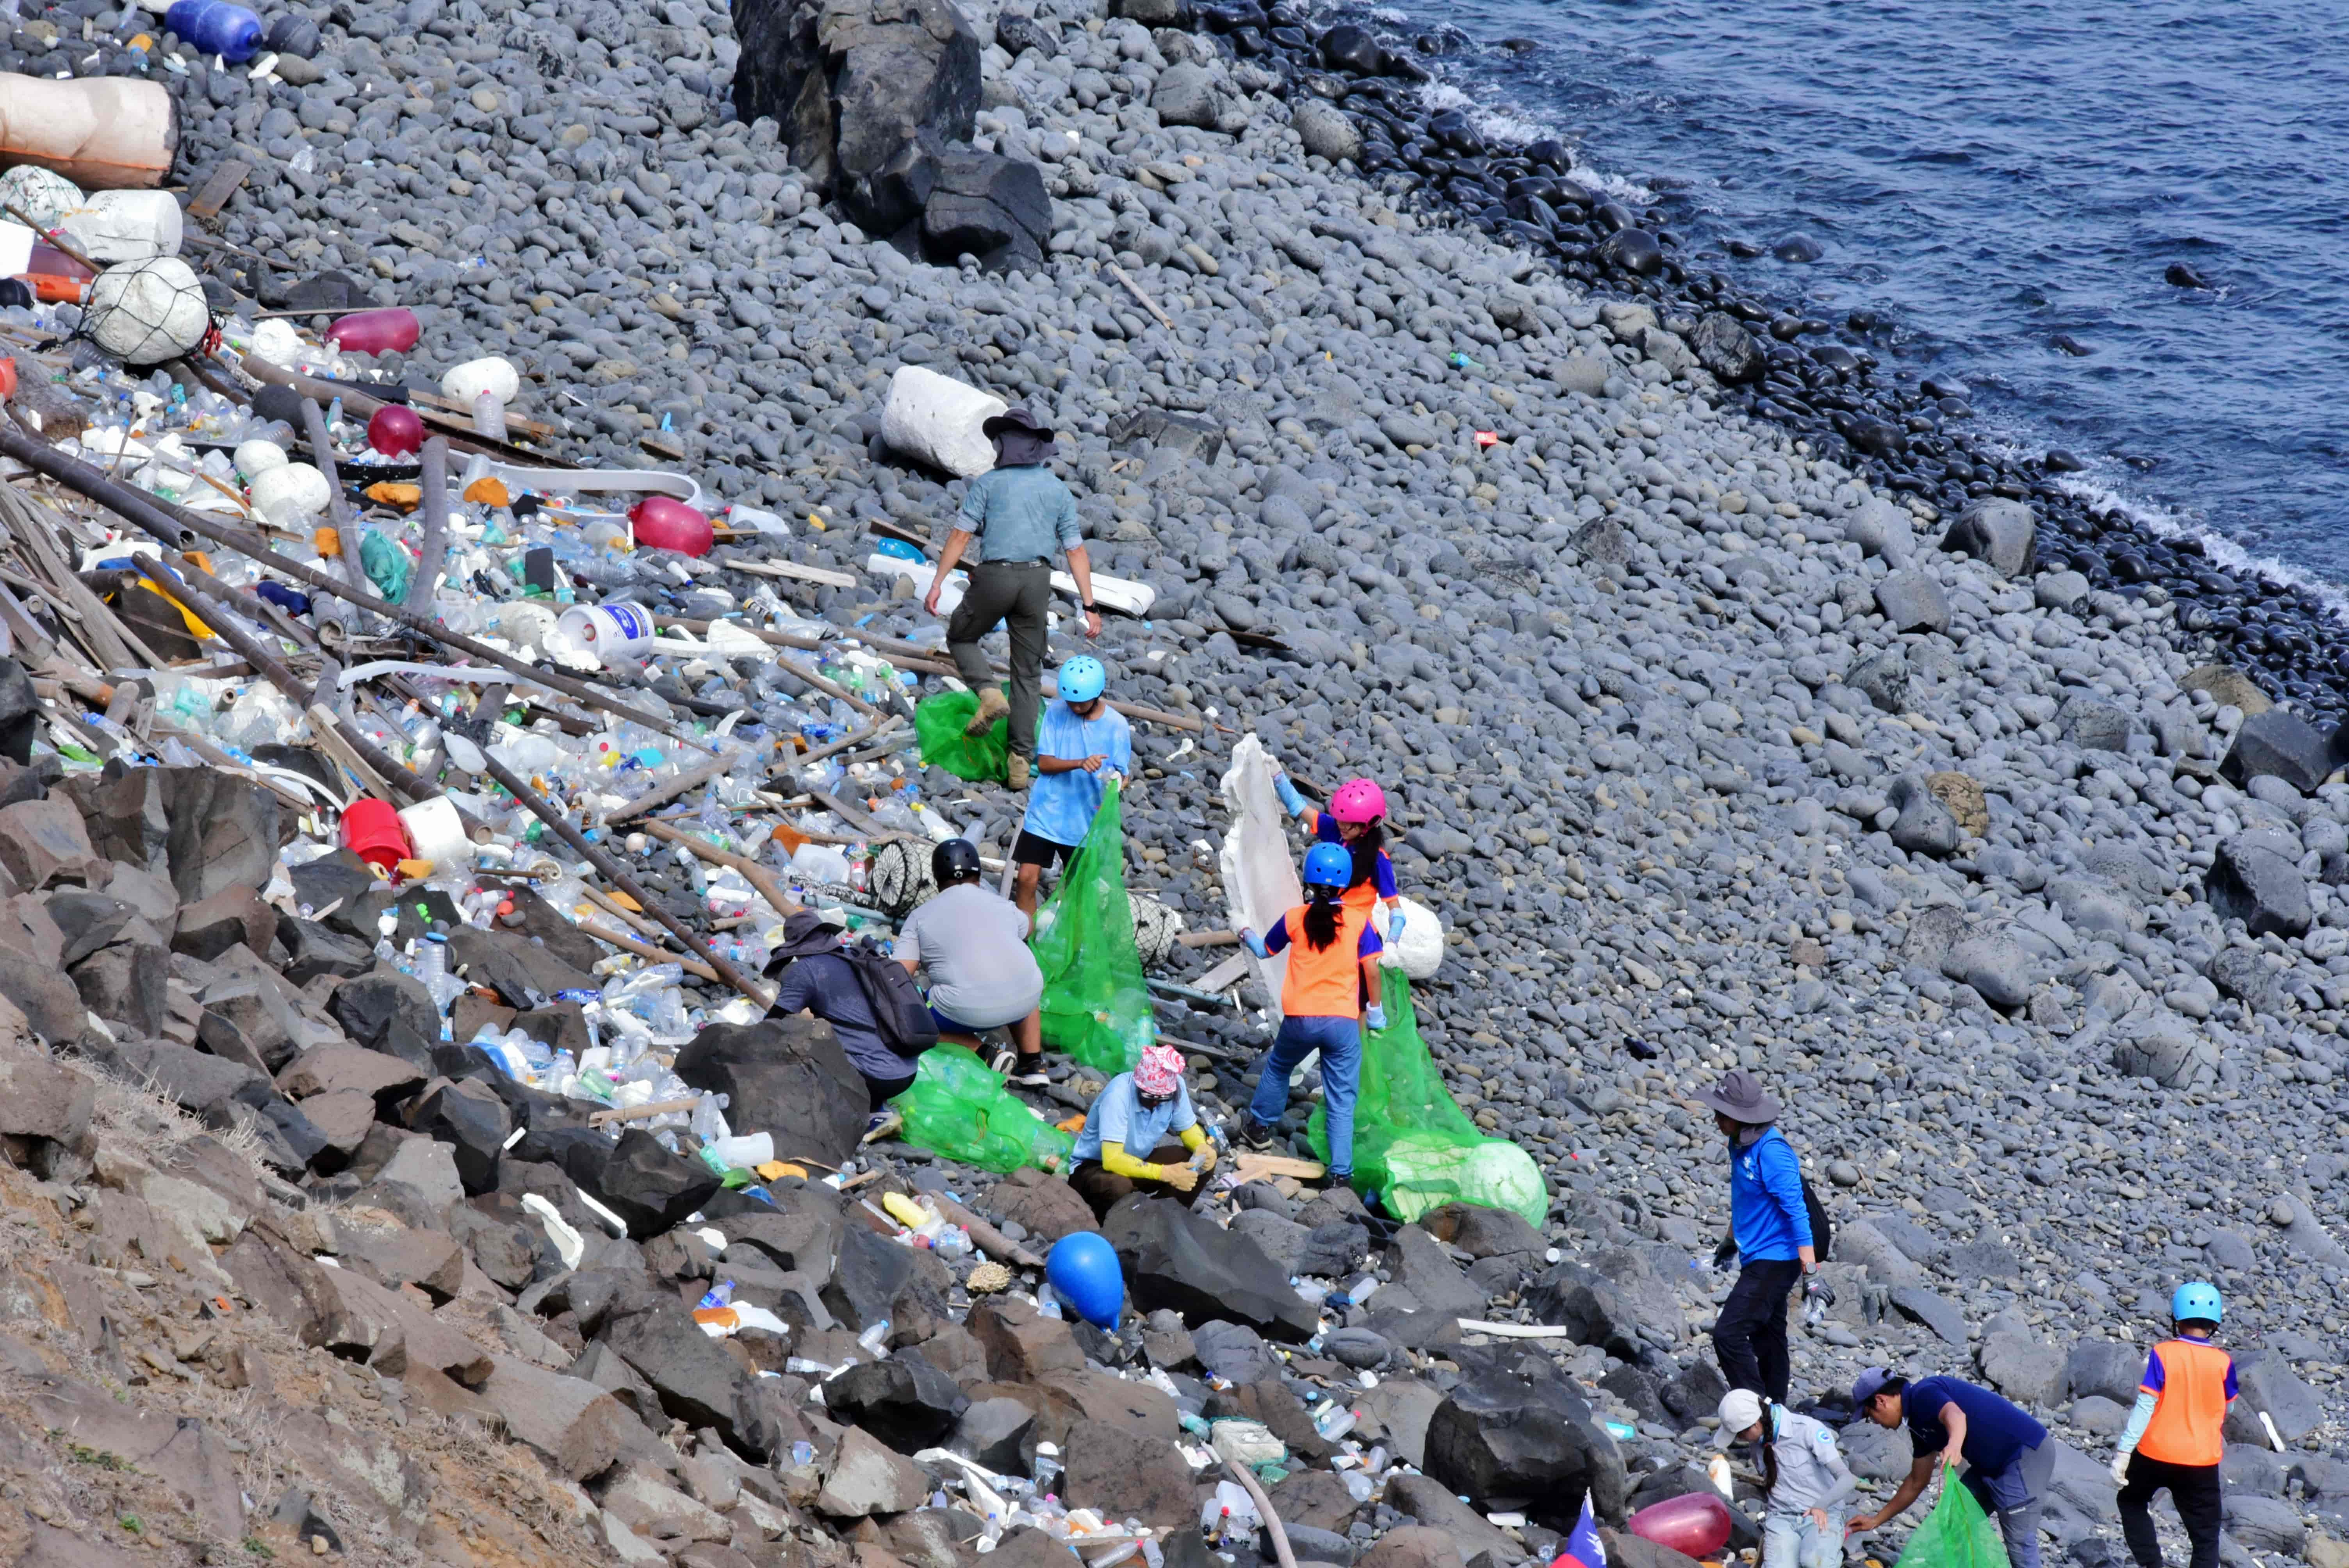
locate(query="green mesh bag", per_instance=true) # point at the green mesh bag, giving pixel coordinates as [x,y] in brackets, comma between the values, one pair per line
[959,1110]
[1412,1143]
[938,721]
[1956,1534]
[1096,1006]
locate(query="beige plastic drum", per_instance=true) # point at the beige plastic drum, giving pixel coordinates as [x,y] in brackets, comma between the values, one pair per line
[105,133]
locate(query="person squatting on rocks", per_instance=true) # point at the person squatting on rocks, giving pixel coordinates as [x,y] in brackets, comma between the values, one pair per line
[1083,744]
[1019,512]
[2174,1434]
[820,980]
[1769,1230]
[1117,1153]
[974,945]
[1333,970]
[1357,807]
[1803,1479]
[2009,1461]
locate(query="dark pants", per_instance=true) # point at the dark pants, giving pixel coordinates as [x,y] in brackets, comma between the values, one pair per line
[1095,1183]
[1749,1338]
[2193,1488]
[881,1091]
[1018,595]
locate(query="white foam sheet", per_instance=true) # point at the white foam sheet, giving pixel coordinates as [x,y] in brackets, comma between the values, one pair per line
[1260,869]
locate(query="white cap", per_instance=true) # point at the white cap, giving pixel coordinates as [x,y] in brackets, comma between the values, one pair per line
[1740,1408]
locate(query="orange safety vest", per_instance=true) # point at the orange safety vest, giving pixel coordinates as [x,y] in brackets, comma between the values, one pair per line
[2191,1414]
[1326,984]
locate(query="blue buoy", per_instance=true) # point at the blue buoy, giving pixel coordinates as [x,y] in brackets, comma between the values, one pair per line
[1082,1267]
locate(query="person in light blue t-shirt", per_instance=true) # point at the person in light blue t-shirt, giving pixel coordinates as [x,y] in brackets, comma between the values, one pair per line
[1081,746]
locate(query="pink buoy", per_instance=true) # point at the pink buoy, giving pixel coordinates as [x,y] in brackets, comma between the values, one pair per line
[1695,1524]
[666,524]
[390,331]
[396,430]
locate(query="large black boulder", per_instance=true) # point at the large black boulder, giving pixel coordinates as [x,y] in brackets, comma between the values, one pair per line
[905,1401]
[984,205]
[1175,1259]
[855,85]
[1521,1432]
[787,1077]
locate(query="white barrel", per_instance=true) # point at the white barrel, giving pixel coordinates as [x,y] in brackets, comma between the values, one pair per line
[617,630]
[936,420]
[438,833]
[112,226]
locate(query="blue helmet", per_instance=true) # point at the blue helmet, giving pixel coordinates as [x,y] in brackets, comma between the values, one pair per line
[1329,865]
[2197,1300]
[1082,679]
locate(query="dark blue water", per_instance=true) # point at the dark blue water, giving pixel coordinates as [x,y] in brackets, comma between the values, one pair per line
[1991,175]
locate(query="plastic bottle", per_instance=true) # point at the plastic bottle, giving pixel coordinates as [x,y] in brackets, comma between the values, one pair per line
[394,330]
[874,1338]
[488,416]
[717,1296]
[217,28]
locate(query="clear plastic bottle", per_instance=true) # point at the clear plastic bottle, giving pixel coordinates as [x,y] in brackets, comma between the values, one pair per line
[875,1339]
[488,416]
[719,1295]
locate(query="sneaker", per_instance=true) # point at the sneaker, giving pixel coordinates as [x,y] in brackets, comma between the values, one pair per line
[881,1124]
[1257,1135]
[993,706]
[1015,771]
[1029,1072]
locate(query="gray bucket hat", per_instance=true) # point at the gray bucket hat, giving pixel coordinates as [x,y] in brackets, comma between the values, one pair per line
[1741,1097]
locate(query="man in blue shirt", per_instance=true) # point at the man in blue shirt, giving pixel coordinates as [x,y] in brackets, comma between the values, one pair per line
[2010,1464]
[1018,513]
[1769,1230]
[1083,744]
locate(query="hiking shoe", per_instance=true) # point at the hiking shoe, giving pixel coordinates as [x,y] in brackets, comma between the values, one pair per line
[1029,1072]
[993,706]
[882,1124]
[1257,1135]
[1015,771]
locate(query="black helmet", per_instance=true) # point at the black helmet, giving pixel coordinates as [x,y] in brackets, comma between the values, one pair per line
[955,861]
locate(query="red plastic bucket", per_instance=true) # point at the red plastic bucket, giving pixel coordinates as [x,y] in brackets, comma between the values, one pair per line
[373,831]
[1695,1524]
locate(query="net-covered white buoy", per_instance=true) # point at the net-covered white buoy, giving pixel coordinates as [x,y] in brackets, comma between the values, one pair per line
[899,877]
[144,312]
[41,194]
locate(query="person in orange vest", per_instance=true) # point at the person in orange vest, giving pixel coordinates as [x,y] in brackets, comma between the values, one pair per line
[1333,968]
[2175,1438]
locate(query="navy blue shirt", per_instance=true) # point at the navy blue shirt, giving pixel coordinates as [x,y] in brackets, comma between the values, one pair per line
[1996,1430]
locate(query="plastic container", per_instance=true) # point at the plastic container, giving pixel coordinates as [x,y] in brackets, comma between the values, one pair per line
[104,133]
[438,834]
[393,331]
[488,416]
[746,1151]
[664,523]
[373,831]
[396,432]
[217,28]
[1695,1524]
[616,630]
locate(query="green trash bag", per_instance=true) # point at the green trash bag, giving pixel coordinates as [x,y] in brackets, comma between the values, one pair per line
[959,1110]
[1096,1006]
[938,720]
[1956,1534]
[1414,1145]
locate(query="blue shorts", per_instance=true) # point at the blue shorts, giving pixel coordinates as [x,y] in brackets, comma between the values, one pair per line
[952,1026]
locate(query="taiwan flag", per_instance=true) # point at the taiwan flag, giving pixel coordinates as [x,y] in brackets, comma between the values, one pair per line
[1582,1547]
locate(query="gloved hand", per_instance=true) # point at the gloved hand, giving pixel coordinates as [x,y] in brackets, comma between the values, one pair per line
[1394,923]
[2120,1467]
[1204,1158]
[1182,1177]
[1253,943]
[1727,1254]
[1375,1016]
[1290,800]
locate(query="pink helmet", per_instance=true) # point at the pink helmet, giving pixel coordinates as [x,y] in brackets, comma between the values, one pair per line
[1159,1071]
[1358,801]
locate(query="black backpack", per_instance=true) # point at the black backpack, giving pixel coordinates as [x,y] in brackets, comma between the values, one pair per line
[899,1013]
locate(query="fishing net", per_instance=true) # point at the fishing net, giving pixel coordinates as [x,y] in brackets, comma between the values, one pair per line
[1412,1143]
[1096,1005]
[938,721]
[1956,1534]
[959,1110]
[144,312]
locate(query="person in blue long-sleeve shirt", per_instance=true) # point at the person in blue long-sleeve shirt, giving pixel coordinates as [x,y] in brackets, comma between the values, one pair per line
[1770,1229]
